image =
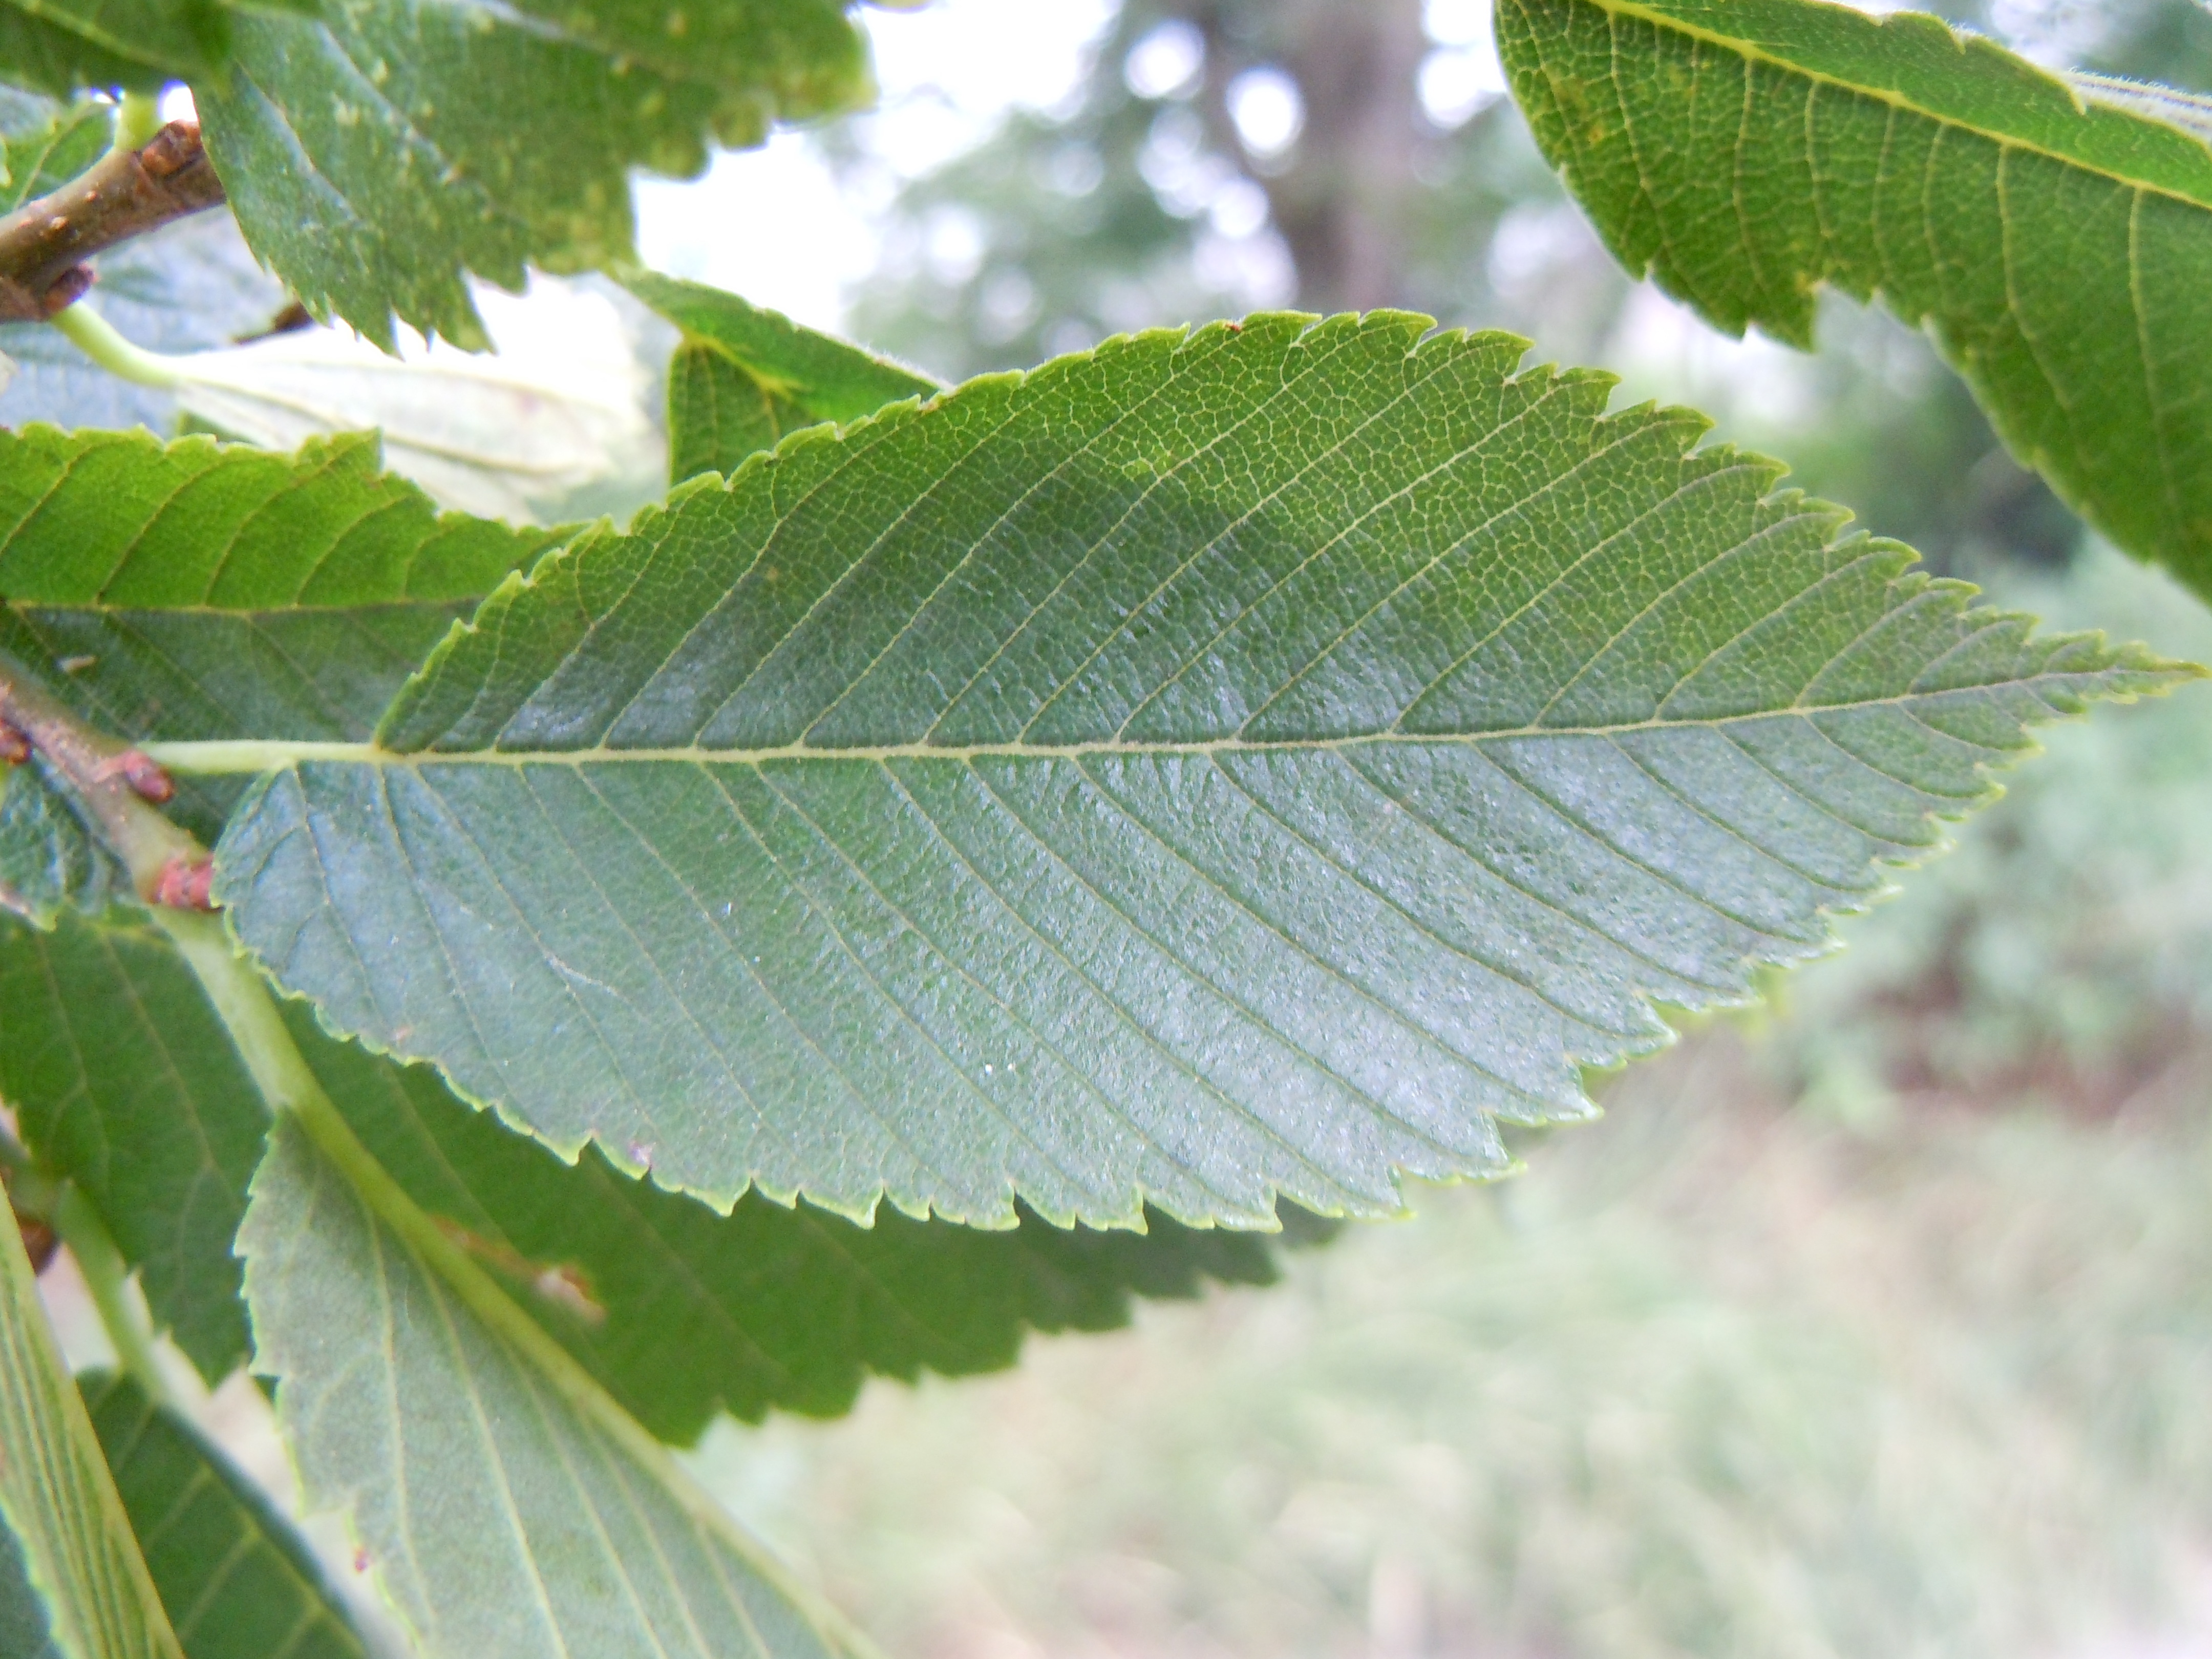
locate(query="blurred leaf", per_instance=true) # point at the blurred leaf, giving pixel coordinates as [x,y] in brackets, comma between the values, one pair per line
[742,377]
[1743,154]
[62,46]
[510,436]
[237,1577]
[518,1513]
[72,1547]
[122,1081]
[49,858]
[376,152]
[1250,762]
[43,144]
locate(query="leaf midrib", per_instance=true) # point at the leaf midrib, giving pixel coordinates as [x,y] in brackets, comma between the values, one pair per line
[219,757]
[1752,53]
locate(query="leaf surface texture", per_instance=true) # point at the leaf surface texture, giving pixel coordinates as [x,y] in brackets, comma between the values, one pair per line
[1221,765]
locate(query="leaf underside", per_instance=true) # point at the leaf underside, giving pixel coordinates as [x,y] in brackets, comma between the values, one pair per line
[1219,765]
[1742,152]
[501,1520]
[237,1580]
[67,1541]
[375,152]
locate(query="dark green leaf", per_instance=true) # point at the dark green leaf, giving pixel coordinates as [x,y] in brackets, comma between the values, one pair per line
[679,1311]
[62,46]
[376,152]
[1250,762]
[122,1081]
[198,591]
[44,144]
[1744,152]
[22,1610]
[237,1580]
[743,377]
[71,1546]
[504,1512]
[49,858]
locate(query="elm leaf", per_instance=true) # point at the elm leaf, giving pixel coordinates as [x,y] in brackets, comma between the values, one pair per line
[1222,765]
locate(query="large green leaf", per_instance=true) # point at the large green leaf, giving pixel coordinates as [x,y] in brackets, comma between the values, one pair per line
[505,1512]
[64,1537]
[122,1081]
[237,1580]
[1744,152]
[377,150]
[742,377]
[196,590]
[1250,762]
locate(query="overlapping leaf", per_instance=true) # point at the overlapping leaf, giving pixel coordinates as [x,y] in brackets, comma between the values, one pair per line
[197,591]
[66,1542]
[237,1580]
[1744,152]
[62,46]
[49,858]
[742,377]
[1219,765]
[377,150]
[506,1514]
[681,1311]
[122,1081]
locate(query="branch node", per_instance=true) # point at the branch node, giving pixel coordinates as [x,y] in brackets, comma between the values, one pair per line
[186,882]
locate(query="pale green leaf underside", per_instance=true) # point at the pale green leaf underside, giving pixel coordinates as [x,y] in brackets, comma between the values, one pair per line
[49,858]
[374,152]
[1743,152]
[237,1580]
[1251,762]
[74,1546]
[503,1522]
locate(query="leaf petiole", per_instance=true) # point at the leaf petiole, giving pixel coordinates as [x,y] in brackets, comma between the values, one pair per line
[94,336]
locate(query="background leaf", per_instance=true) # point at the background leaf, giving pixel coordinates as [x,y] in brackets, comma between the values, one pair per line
[49,858]
[193,590]
[237,1580]
[1744,153]
[72,1543]
[1251,761]
[122,1081]
[742,377]
[62,46]
[375,152]
[502,1516]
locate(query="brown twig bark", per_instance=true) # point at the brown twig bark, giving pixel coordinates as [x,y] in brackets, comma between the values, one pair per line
[43,243]
[117,787]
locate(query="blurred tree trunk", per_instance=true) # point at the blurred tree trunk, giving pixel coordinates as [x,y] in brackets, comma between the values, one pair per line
[1340,196]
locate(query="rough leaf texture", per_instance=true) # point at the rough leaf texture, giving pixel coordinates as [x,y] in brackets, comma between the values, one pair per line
[743,377]
[376,151]
[503,1522]
[72,1545]
[237,1580]
[123,1080]
[1743,152]
[1219,765]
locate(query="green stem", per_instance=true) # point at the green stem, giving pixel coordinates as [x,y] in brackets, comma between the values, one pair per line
[95,336]
[242,1001]
[137,118]
[107,1276]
